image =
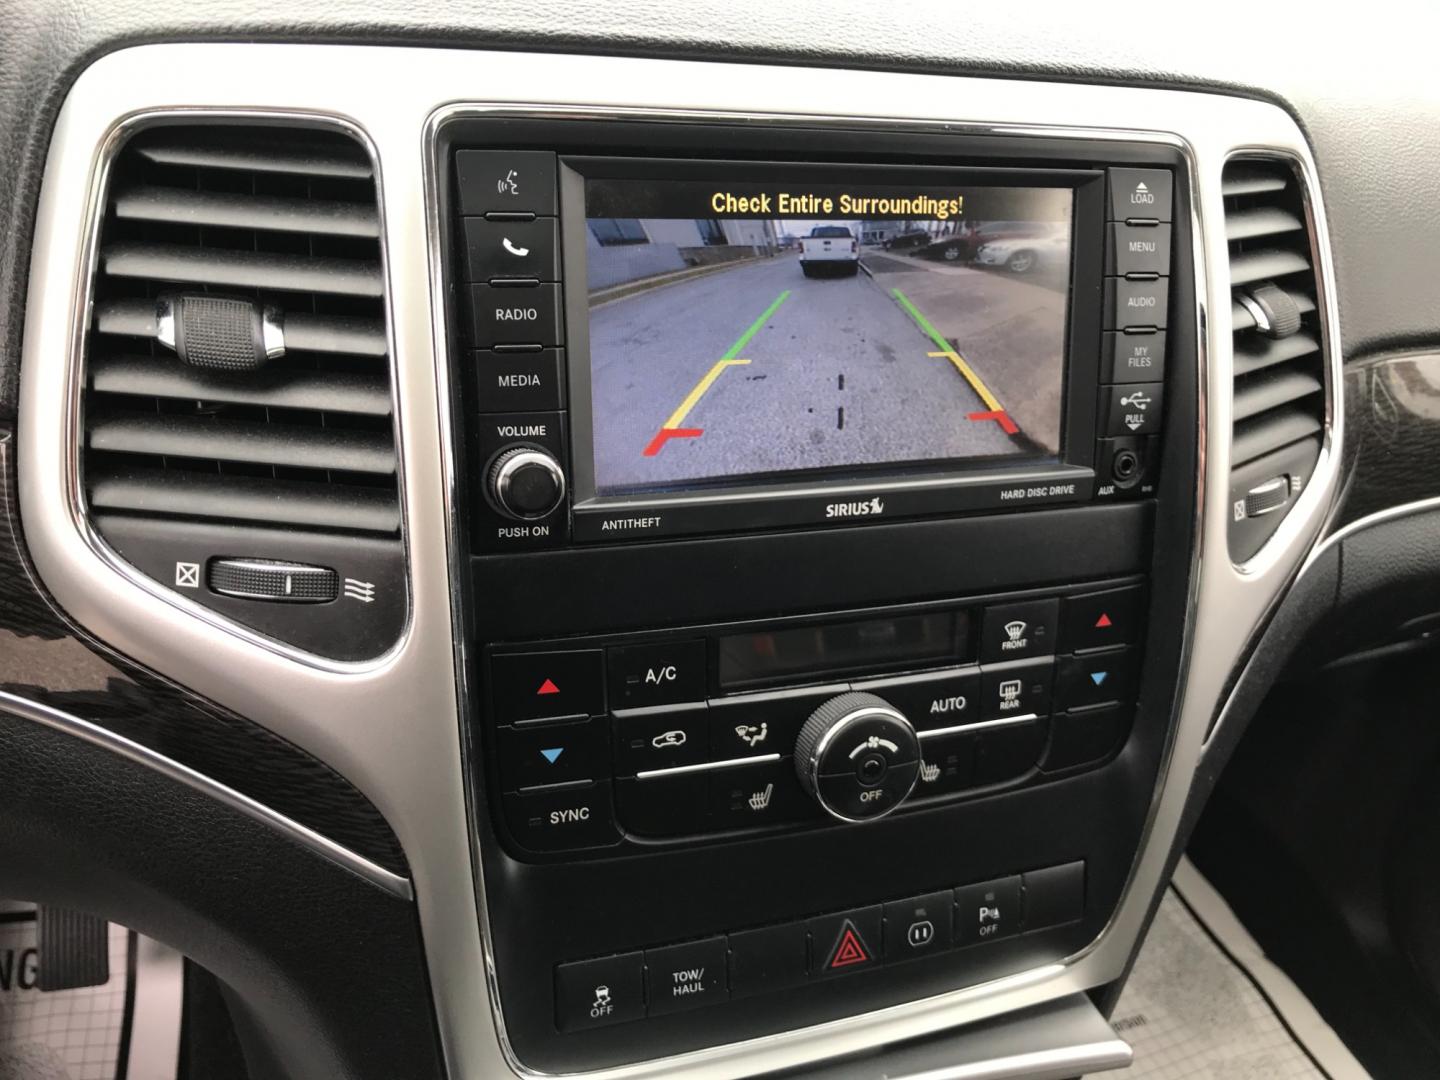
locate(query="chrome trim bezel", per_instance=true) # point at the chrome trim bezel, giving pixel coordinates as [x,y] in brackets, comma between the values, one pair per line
[412,771]
[73,726]
[120,133]
[810,778]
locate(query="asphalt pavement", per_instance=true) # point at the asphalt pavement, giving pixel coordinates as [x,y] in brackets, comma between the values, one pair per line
[838,373]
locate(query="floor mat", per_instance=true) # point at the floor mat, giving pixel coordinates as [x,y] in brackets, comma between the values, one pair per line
[126,1029]
[1203,1002]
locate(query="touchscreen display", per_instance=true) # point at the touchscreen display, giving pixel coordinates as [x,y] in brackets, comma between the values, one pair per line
[742,331]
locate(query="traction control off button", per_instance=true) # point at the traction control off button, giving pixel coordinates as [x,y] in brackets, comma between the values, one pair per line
[596,993]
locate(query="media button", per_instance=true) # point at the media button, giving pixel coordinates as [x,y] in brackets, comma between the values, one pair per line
[920,926]
[657,674]
[1019,631]
[987,911]
[506,181]
[596,993]
[562,818]
[1019,689]
[507,315]
[660,738]
[936,699]
[517,381]
[1132,358]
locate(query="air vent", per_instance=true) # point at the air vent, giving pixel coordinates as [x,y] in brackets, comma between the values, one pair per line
[1279,394]
[238,401]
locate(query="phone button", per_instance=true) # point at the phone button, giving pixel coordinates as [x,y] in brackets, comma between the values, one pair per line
[496,250]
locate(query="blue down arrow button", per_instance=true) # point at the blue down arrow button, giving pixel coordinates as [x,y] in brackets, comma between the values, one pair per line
[552,753]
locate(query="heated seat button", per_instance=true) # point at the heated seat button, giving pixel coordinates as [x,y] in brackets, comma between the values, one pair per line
[840,944]
[1100,619]
[947,764]
[657,674]
[562,818]
[595,993]
[766,793]
[987,911]
[506,181]
[921,926]
[539,754]
[543,685]
[1019,631]
[768,959]
[1054,896]
[1021,689]
[936,699]
[511,249]
[686,976]
[650,739]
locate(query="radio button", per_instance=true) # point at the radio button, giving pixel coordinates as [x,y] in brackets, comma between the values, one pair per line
[1146,194]
[662,738]
[1136,303]
[506,181]
[1134,408]
[538,754]
[511,249]
[663,674]
[1019,631]
[1100,619]
[1132,358]
[562,818]
[509,315]
[1138,249]
[754,724]
[1019,689]
[937,699]
[547,685]
[517,381]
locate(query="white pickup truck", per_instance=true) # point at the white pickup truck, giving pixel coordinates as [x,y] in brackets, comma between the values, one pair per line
[830,249]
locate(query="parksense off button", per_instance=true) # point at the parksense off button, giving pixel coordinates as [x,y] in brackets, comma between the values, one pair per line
[505,315]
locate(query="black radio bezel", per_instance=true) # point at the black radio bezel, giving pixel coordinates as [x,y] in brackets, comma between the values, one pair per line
[805,497]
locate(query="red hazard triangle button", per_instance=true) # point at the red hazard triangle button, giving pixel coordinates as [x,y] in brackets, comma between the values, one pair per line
[1103,621]
[548,687]
[849,950]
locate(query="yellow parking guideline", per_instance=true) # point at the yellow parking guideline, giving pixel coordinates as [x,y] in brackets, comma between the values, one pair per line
[974,380]
[678,416]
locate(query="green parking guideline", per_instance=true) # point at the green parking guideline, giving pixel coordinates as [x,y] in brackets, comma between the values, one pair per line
[924,323]
[744,339]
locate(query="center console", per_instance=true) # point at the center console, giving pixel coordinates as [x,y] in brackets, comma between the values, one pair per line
[829,495]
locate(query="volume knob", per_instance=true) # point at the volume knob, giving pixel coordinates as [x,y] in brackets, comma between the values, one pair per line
[526,484]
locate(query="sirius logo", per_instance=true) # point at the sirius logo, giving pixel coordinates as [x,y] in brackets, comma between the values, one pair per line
[855,509]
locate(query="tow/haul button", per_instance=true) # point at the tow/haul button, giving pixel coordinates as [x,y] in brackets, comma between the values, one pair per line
[857,757]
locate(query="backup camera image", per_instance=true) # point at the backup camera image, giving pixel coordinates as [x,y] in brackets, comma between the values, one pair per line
[745,331]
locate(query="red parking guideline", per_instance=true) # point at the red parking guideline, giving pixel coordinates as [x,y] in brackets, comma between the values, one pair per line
[666,433]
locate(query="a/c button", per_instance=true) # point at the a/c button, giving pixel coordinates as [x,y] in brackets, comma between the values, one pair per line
[642,675]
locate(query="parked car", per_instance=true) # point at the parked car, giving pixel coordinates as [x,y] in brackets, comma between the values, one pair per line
[963,246]
[1021,255]
[830,249]
[907,240]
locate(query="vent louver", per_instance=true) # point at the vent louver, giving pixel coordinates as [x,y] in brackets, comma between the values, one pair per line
[1279,391]
[204,440]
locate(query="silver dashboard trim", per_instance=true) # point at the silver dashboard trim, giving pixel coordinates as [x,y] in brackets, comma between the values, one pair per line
[979,725]
[393,727]
[74,726]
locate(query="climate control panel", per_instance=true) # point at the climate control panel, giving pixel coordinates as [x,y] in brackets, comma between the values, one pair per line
[678,737]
